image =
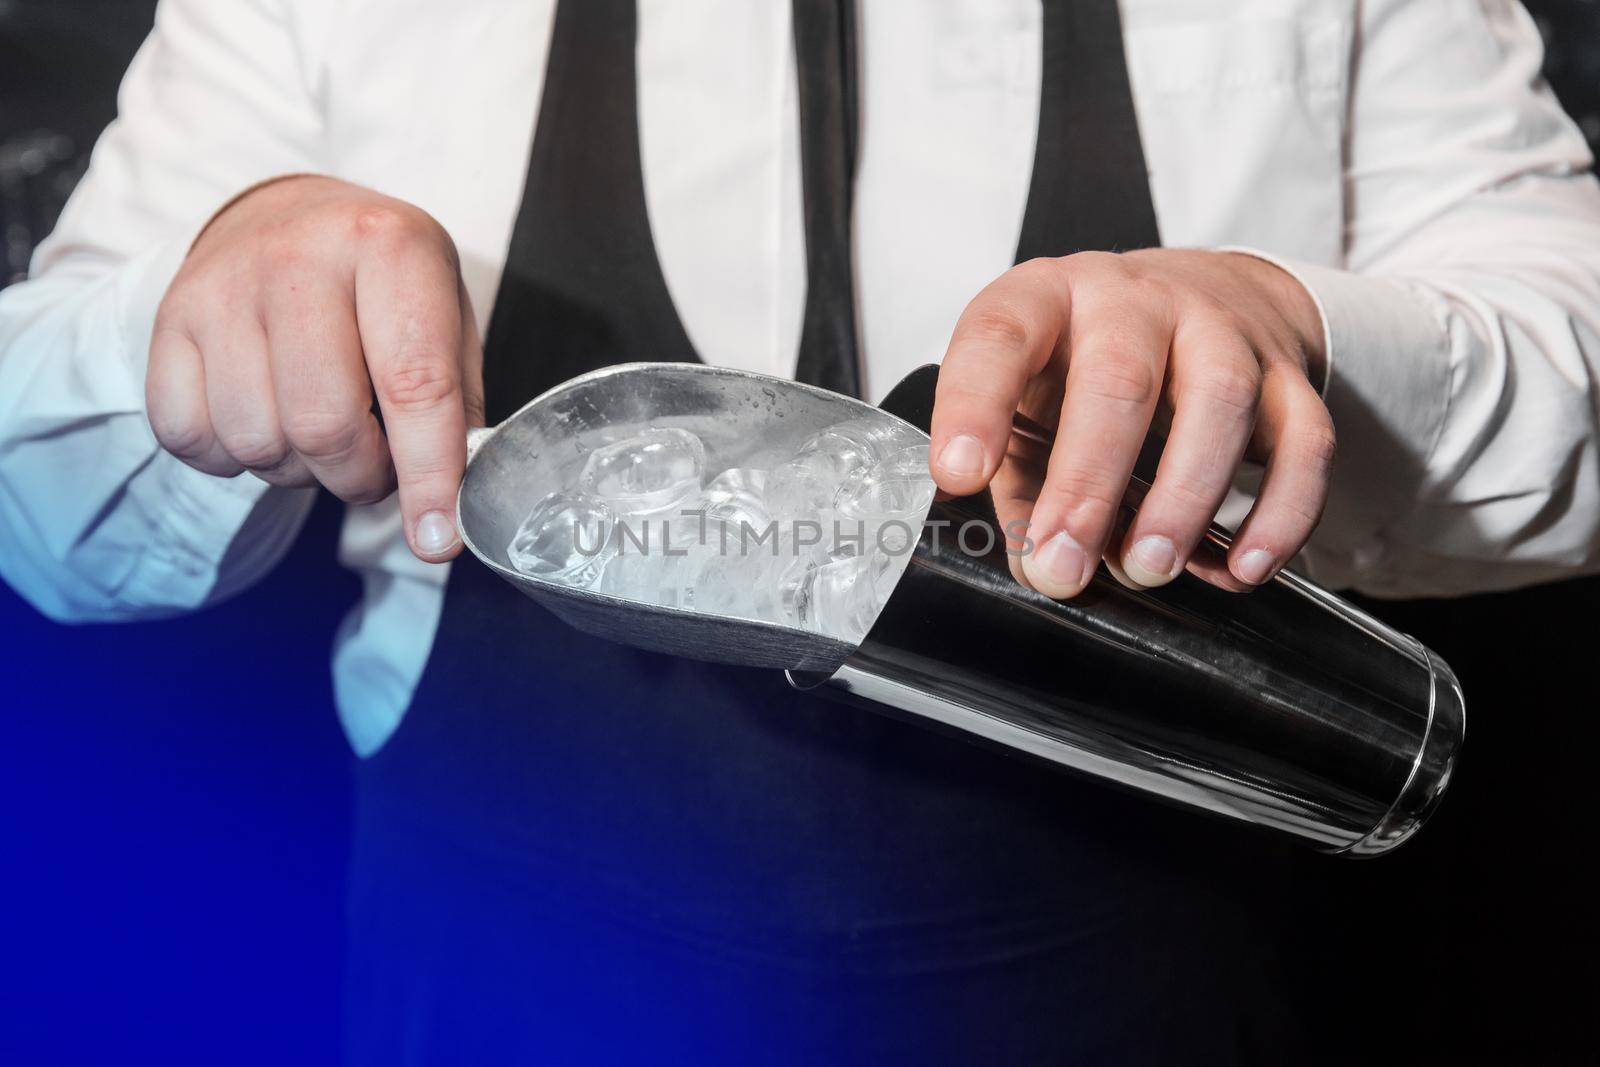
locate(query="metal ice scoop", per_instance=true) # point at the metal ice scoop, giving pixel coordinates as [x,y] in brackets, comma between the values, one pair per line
[745,419]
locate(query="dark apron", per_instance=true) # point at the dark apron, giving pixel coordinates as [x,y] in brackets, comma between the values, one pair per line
[572,851]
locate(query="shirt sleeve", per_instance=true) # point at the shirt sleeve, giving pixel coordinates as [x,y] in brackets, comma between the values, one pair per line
[96,521]
[1464,331]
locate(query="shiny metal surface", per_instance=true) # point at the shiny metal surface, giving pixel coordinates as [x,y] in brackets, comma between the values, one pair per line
[1286,708]
[744,420]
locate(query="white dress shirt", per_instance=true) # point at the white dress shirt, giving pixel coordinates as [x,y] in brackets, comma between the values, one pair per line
[1400,156]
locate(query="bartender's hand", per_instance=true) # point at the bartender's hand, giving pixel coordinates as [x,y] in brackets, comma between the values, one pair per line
[1096,346]
[300,301]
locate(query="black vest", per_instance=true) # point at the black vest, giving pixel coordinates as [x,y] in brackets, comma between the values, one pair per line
[575,850]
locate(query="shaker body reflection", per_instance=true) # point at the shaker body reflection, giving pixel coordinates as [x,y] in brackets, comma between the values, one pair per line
[1285,707]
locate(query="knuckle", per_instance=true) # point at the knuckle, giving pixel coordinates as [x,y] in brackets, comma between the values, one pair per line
[1041,270]
[392,224]
[170,343]
[255,449]
[1105,264]
[191,294]
[368,491]
[1298,515]
[431,473]
[1120,380]
[1144,288]
[1194,498]
[282,252]
[380,221]
[1214,317]
[1236,387]
[1079,487]
[322,434]
[171,315]
[173,310]
[999,324]
[418,384]
[184,434]
[369,484]
[1106,279]
[1223,323]
[1318,444]
[969,395]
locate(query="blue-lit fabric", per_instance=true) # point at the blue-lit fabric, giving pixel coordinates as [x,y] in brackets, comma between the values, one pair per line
[573,851]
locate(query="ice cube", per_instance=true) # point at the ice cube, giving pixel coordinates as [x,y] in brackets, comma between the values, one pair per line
[566,538]
[898,486]
[801,489]
[645,577]
[736,483]
[740,574]
[885,569]
[781,589]
[752,543]
[840,450]
[882,507]
[720,575]
[739,502]
[839,598]
[808,484]
[656,556]
[652,472]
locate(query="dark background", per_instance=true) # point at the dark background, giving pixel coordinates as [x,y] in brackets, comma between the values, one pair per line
[174,796]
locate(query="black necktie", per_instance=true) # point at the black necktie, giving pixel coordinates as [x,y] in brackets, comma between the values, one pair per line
[582,286]
[825,56]
[1090,189]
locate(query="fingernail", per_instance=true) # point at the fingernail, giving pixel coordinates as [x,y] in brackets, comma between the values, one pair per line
[962,457]
[1254,566]
[1151,561]
[1058,567]
[435,532]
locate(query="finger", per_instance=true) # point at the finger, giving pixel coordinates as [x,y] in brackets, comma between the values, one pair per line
[243,411]
[1003,339]
[1296,433]
[324,398]
[411,322]
[1013,490]
[1215,382]
[175,398]
[471,362]
[1117,354]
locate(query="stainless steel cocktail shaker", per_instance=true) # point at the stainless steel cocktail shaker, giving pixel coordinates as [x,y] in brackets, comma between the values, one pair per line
[1286,708]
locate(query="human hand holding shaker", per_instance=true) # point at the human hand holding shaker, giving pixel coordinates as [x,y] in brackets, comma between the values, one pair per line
[1222,348]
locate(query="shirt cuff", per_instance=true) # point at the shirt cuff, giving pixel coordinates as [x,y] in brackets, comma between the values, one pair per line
[1388,389]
